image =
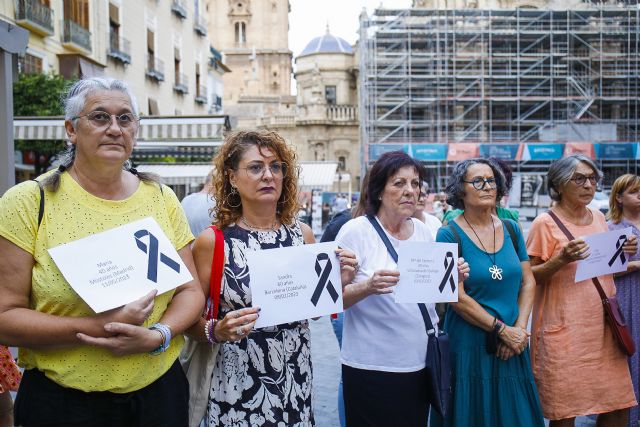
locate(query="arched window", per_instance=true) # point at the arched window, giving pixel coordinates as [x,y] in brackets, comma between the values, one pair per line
[241,33]
[342,163]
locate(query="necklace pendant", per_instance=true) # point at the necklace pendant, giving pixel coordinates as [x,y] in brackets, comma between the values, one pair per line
[496,272]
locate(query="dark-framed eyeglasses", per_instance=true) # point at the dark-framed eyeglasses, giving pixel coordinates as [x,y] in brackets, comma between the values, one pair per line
[580,179]
[102,120]
[479,183]
[257,170]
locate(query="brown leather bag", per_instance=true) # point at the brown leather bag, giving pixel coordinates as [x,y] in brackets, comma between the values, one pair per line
[612,312]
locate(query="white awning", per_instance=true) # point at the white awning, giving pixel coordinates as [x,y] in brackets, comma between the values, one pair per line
[313,175]
[196,131]
[317,175]
[178,174]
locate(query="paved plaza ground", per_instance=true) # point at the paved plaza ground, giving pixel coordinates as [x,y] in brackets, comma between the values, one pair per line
[326,370]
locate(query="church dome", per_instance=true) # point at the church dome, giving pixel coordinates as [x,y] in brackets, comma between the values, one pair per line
[327,43]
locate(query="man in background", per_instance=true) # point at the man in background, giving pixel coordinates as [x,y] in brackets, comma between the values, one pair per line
[199,207]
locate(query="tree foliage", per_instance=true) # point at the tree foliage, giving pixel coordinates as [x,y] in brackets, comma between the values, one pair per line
[39,95]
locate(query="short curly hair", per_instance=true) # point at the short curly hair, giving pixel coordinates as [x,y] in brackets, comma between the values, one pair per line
[228,158]
[456,185]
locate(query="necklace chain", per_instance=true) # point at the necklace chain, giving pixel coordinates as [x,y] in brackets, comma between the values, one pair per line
[254,228]
[496,272]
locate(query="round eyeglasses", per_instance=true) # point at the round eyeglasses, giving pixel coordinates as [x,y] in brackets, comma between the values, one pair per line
[580,179]
[256,171]
[102,120]
[479,183]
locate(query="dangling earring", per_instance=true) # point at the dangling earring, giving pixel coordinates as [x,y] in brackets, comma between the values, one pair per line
[233,193]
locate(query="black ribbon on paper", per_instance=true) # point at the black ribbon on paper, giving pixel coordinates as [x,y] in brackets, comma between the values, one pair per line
[619,244]
[154,254]
[323,279]
[448,274]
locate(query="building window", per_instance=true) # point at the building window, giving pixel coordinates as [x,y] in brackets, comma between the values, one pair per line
[114,27]
[77,11]
[330,95]
[153,107]
[342,163]
[241,33]
[29,64]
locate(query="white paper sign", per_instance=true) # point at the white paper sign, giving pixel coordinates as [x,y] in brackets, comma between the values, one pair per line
[428,272]
[295,283]
[606,256]
[118,266]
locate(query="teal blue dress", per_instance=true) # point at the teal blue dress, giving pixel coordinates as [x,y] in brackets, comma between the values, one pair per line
[488,391]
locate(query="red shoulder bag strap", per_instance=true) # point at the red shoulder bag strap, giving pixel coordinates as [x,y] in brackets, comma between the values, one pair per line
[215,279]
[596,282]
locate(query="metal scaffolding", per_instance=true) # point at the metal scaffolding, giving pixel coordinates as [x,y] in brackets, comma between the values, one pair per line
[493,76]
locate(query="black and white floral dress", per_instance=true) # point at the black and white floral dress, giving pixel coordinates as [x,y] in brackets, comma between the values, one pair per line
[265,379]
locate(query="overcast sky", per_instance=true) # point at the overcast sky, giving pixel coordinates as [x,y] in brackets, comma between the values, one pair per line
[308,19]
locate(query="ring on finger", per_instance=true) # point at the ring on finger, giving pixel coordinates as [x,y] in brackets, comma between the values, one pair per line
[240,331]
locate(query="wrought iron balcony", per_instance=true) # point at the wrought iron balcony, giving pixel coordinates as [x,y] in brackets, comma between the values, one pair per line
[35,16]
[178,7]
[200,25]
[201,95]
[76,36]
[119,49]
[155,68]
[182,84]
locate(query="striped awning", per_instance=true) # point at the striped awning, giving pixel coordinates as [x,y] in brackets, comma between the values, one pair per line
[154,131]
[39,129]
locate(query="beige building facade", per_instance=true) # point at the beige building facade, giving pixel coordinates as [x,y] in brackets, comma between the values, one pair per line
[160,47]
[326,122]
[321,121]
[253,36]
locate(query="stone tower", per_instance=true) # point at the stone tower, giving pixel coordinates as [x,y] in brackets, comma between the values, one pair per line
[253,35]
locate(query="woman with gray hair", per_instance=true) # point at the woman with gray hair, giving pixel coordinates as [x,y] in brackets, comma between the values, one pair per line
[114,368]
[577,364]
[492,380]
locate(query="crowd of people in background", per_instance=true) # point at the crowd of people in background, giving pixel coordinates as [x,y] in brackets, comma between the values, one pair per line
[121,367]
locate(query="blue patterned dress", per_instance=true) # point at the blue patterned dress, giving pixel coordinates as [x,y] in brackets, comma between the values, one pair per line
[265,379]
[628,295]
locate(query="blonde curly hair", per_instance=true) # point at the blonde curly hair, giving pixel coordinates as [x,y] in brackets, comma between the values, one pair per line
[228,158]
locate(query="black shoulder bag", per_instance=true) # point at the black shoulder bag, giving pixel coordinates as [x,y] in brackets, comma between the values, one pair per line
[438,363]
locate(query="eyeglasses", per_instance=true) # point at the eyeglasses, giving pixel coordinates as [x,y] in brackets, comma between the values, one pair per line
[256,170]
[102,120]
[580,179]
[479,183]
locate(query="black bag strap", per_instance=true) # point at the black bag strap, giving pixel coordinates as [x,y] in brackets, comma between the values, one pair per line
[41,208]
[394,255]
[512,233]
[565,230]
[456,236]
